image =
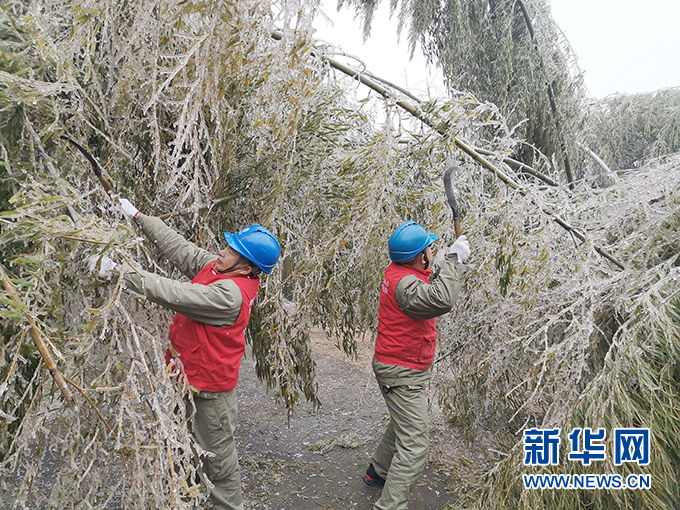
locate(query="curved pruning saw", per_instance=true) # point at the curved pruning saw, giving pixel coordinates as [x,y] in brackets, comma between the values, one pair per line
[451,198]
[95,165]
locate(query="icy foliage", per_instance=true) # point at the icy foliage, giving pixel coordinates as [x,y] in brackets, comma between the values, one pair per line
[549,336]
[178,101]
[575,311]
[507,52]
[196,112]
[626,130]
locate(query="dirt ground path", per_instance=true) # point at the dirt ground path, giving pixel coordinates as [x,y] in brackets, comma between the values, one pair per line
[317,461]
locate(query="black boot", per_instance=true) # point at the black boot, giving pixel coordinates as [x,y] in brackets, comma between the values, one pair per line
[372,479]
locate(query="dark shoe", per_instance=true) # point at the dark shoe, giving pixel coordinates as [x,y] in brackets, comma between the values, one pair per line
[372,479]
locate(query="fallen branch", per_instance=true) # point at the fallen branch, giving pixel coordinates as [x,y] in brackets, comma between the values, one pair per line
[37,335]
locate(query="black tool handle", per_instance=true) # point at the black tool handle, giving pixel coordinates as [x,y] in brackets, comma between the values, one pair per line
[95,165]
[451,198]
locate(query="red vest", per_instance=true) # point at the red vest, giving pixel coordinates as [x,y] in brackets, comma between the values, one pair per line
[402,340]
[211,356]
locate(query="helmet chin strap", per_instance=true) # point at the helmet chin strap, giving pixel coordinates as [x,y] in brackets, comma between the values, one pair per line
[234,268]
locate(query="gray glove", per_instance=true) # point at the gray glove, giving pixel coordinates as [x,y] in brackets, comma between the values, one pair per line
[103,270]
[127,207]
[461,248]
[439,258]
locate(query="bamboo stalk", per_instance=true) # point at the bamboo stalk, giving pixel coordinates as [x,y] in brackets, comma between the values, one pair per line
[39,342]
[475,155]
[551,96]
[520,166]
[596,158]
[508,161]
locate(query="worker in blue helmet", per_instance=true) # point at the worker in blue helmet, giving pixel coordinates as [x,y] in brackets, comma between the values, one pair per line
[410,300]
[207,335]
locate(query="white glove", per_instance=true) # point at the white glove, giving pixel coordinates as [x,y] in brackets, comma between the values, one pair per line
[439,258]
[103,270]
[461,248]
[128,208]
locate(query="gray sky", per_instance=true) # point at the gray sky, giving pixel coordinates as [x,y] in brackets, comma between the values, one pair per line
[621,46]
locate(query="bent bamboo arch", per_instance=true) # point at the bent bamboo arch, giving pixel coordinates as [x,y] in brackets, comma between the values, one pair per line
[476,154]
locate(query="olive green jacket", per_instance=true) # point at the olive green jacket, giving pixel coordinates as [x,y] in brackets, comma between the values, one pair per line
[218,304]
[419,300]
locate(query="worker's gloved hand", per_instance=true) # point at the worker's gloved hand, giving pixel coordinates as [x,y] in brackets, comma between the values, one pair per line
[128,208]
[105,269]
[461,248]
[439,258]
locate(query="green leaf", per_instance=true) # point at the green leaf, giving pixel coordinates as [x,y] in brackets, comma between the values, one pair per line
[27,259]
[10,214]
[13,316]
[24,283]
[13,303]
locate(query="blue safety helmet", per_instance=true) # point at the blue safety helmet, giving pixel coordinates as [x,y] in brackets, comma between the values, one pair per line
[408,240]
[257,244]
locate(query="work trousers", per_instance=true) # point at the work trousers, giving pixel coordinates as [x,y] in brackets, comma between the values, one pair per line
[402,453]
[213,427]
